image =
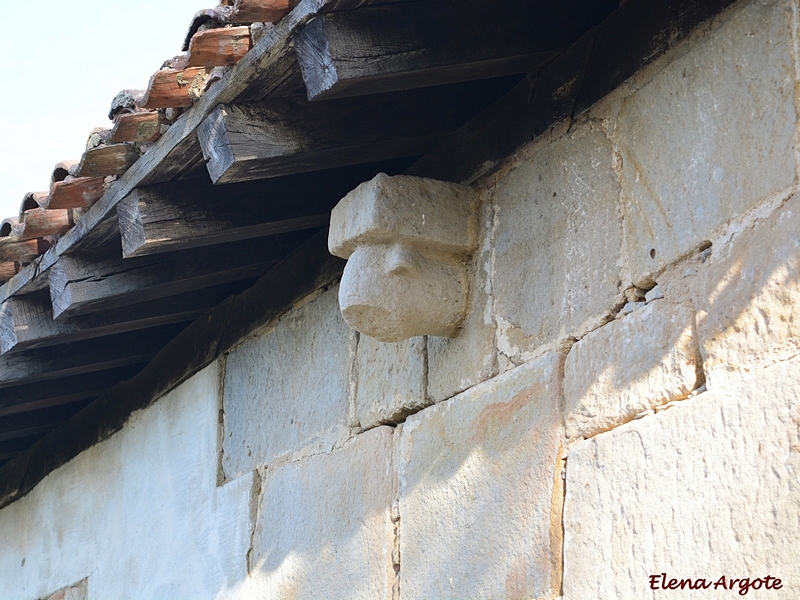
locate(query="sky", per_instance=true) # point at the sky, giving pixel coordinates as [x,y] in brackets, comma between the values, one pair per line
[61,64]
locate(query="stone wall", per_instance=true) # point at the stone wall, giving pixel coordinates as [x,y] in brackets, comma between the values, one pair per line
[621,402]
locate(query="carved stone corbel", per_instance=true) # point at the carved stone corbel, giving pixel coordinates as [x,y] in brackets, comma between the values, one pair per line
[407,241]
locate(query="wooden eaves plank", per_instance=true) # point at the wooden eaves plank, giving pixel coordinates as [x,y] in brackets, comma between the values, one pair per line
[66,390]
[81,283]
[84,357]
[283,136]
[27,321]
[393,47]
[190,213]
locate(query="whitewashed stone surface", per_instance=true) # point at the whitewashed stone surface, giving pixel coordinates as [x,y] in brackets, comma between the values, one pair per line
[558,238]
[707,488]
[640,361]
[476,490]
[391,380]
[140,514]
[325,525]
[709,136]
[751,300]
[287,390]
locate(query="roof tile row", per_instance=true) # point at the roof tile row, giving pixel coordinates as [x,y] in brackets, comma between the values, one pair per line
[218,38]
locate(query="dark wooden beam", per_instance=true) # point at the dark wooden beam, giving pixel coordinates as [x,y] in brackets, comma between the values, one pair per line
[27,321]
[11,448]
[84,357]
[33,422]
[631,37]
[192,213]
[291,135]
[90,282]
[76,388]
[393,47]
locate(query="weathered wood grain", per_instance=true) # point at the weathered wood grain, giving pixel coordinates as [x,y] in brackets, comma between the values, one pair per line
[191,213]
[27,321]
[88,282]
[399,46]
[283,136]
[84,357]
[41,421]
[34,396]
[219,47]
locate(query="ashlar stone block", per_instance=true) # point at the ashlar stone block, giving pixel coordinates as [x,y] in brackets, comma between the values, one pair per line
[324,527]
[709,136]
[750,313]
[703,489]
[286,391]
[391,380]
[558,241]
[645,359]
[479,510]
[455,364]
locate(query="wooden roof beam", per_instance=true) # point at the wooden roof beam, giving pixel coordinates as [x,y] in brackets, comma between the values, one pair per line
[386,48]
[84,357]
[41,421]
[243,142]
[76,388]
[27,321]
[191,213]
[84,283]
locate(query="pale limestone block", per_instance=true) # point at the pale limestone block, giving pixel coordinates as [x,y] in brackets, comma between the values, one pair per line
[406,240]
[641,361]
[706,488]
[422,212]
[477,476]
[455,364]
[751,302]
[391,380]
[558,238]
[324,528]
[709,136]
[286,391]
